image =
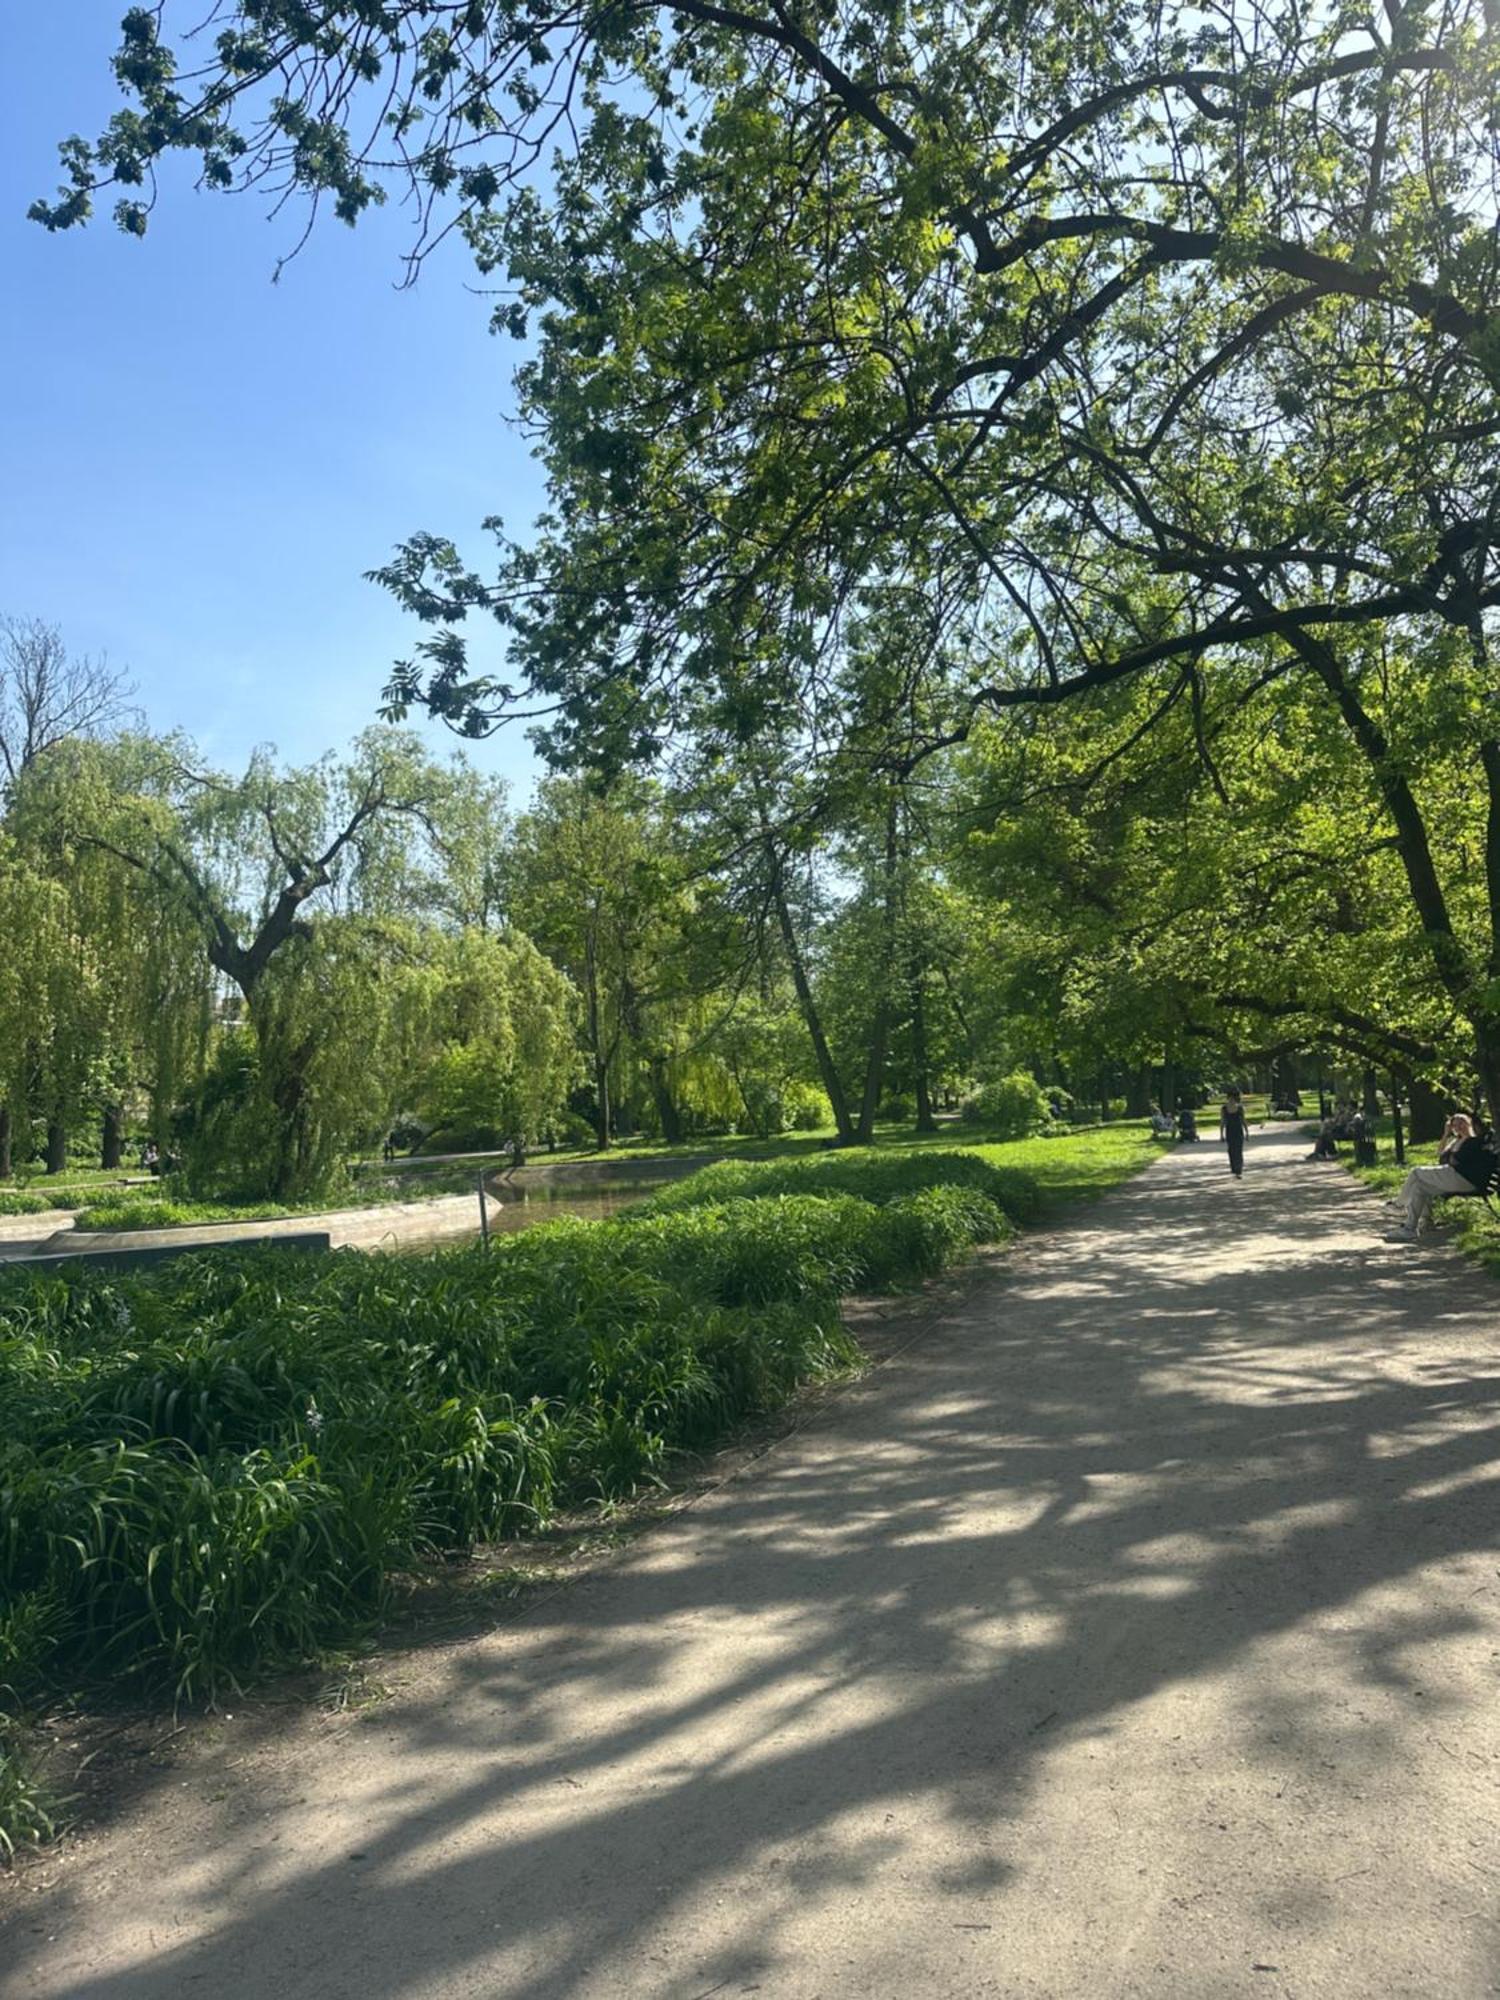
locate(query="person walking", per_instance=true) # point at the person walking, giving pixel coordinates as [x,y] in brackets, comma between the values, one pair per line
[1232,1130]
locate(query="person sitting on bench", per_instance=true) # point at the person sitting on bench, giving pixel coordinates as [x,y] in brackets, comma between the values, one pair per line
[1323,1146]
[1464,1167]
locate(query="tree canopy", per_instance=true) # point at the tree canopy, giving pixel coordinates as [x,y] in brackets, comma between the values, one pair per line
[897,370]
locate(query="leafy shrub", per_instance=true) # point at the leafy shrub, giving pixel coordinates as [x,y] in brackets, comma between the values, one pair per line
[24,1204]
[899,1108]
[805,1107]
[1012,1107]
[876,1176]
[921,1234]
[752,1251]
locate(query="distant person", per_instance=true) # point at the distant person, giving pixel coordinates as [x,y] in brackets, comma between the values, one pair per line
[1161,1124]
[1233,1129]
[150,1157]
[1465,1166]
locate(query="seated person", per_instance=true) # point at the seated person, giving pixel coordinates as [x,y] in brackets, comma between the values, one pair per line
[1463,1168]
[1323,1146]
[1161,1124]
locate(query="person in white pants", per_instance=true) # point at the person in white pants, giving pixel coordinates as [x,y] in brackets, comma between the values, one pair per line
[1423,1185]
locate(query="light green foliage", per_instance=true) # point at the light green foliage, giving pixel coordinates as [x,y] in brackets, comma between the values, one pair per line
[161,1212]
[1011,1107]
[503,1022]
[880,1176]
[1076,1166]
[892,373]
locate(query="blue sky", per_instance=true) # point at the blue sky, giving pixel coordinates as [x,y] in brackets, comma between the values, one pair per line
[199,465]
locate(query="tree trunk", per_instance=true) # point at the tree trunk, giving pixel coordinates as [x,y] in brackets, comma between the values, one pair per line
[1138,1097]
[925,1120]
[57,1146]
[1371,1096]
[110,1150]
[827,1073]
[597,1052]
[601,1102]
[666,1109]
[1429,1112]
[1169,1088]
[1396,1120]
[874,1072]
[7,1166]
[1487,1063]
[881,1033]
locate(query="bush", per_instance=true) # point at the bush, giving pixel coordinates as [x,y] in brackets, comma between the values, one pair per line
[1012,1107]
[920,1234]
[805,1107]
[751,1251]
[878,1176]
[158,1212]
[24,1204]
[897,1109]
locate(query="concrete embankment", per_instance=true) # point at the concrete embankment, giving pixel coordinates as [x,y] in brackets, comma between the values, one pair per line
[533,1194]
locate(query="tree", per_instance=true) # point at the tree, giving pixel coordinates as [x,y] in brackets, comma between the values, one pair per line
[295,885]
[34,921]
[48,695]
[503,1025]
[599,886]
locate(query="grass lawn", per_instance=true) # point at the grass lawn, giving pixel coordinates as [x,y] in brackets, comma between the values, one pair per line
[1077,1164]
[1081,1165]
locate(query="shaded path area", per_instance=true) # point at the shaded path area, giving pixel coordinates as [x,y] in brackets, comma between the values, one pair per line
[1135,1632]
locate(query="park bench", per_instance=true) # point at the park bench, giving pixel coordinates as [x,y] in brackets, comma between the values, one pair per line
[1484,1193]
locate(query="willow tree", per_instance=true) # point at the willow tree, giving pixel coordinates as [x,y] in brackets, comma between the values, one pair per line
[502,1031]
[294,887]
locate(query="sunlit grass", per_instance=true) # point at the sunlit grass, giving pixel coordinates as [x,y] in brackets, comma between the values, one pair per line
[1080,1165]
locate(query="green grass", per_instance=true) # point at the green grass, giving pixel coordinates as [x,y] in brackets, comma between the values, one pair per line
[13,1202]
[1078,1166]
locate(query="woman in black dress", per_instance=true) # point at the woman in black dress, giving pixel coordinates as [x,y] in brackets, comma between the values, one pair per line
[1232,1130]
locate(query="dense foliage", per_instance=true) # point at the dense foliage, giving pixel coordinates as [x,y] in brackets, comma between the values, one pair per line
[896,371]
[218,1465]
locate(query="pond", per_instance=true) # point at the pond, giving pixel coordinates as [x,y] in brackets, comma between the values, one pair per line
[516,1205]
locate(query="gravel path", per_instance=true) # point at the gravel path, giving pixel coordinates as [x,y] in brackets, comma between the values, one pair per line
[1135,1631]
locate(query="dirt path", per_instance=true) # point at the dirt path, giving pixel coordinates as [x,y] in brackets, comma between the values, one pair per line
[1135,1632]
